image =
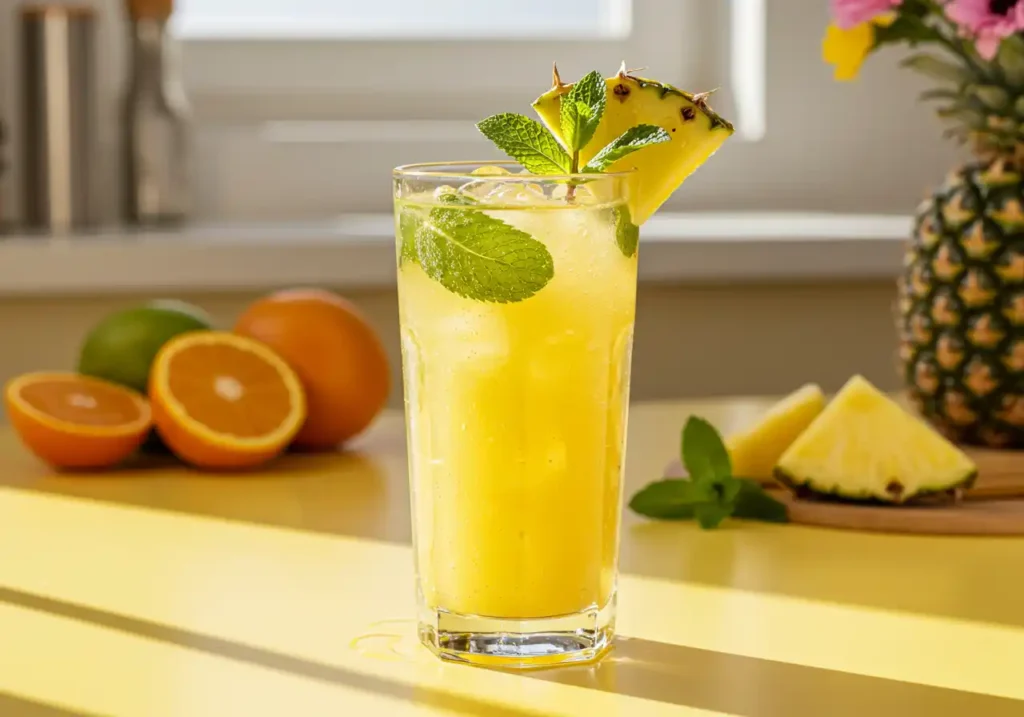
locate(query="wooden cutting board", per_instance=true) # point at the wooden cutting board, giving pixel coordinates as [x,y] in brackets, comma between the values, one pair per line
[994,506]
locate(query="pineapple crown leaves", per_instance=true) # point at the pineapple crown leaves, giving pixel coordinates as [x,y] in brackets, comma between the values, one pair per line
[531,144]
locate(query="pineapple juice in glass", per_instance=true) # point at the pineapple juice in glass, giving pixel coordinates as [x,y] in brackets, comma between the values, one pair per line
[517,295]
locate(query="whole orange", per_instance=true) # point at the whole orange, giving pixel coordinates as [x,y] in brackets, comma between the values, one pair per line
[336,353]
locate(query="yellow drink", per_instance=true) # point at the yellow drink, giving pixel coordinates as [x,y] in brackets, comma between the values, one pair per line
[516,419]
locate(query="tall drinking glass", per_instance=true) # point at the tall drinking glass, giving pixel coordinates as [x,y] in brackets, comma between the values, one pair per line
[517,296]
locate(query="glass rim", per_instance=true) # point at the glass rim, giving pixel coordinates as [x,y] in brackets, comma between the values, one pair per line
[449,170]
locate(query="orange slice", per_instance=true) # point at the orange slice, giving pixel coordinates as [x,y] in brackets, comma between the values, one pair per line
[224,401]
[74,421]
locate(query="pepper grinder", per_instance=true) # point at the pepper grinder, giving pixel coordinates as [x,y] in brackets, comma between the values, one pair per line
[157,142]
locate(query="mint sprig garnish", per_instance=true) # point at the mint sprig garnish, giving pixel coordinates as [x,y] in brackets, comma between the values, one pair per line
[477,256]
[711,493]
[580,114]
[582,108]
[633,139]
[527,141]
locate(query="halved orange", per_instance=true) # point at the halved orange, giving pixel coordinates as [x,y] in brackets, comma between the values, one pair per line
[224,401]
[74,421]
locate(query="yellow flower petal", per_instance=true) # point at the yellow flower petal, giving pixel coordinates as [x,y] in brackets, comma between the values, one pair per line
[847,49]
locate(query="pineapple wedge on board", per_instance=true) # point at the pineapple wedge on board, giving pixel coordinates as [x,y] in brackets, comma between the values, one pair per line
[865,447]
[755,451]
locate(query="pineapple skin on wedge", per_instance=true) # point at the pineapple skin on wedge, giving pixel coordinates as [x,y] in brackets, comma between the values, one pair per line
[865,447]
[755,451]
[695,129]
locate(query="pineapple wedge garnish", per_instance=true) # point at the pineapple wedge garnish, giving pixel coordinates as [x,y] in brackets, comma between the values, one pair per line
[696,133]
[864,446]
[755,451]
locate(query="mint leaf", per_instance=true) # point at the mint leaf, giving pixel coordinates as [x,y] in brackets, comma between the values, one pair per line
[711,515]
[453,196]
[480,257]
[581,111]
[672,499]
[526,141]
[633,139]
[407,224]
[711,494]
[704,453]
[627,234]
[725,489]
[754,503]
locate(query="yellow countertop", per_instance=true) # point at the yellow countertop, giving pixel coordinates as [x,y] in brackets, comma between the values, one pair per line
[160,592]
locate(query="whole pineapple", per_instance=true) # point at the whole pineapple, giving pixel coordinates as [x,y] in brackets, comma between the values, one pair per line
[961,301]
[961,295]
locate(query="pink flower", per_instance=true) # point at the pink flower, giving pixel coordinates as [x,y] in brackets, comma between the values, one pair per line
[987,21]
[849,13]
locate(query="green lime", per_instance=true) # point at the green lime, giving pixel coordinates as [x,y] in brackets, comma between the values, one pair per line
[121,348]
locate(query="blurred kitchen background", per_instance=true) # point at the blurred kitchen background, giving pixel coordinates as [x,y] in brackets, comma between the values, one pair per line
[773,266]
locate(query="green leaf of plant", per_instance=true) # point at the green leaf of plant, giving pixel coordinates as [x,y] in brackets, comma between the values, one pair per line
[633,139]
[712,494]
[480,257]
[974,119]
[669,499]
[581,111]
[991,96]
[407,225]
[1010,59]
[453,196]
[526,141]
[939,93]
[754,503]
[726,489]
[905,28]
[704,454]
[711,515]
[627,234]
[938,69]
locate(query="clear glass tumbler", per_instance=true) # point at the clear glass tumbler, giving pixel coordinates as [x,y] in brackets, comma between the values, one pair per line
[517,297]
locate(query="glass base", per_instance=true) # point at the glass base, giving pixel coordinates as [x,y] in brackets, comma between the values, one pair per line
[519,644]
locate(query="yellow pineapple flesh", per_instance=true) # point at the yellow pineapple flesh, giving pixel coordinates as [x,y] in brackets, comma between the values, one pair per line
[755,451]
[695,129]
[864,446]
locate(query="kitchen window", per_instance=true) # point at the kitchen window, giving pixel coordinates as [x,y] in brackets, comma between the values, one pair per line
[304,106]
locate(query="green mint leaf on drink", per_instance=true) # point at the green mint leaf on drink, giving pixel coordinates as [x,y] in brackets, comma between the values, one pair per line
[450,195]
[627,234]
[481,258]
[711,494]
[526,141]
[633,139]
[581,111]
[407,225]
